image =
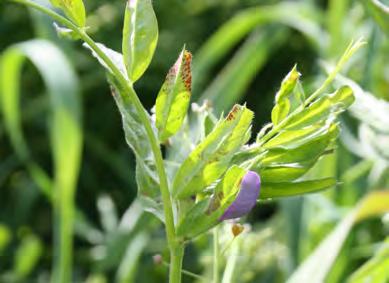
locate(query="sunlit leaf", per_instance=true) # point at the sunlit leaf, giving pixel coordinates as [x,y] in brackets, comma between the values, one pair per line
[209,160]
[74,9]
[173,98]
[140,36]
[206,213]
[321,109]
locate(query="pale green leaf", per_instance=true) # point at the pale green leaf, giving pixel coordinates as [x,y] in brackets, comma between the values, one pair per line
[209,160]
[174,97]
[140,36]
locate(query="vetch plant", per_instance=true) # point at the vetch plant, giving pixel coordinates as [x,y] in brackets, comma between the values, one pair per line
[211,171]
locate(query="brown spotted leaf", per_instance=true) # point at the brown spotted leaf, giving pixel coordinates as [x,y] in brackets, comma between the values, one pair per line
[211,158]
[173,98]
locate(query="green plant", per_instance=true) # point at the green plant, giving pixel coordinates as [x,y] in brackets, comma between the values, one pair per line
[203,177]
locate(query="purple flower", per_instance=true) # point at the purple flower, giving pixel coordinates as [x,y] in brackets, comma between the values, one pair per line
[246,199]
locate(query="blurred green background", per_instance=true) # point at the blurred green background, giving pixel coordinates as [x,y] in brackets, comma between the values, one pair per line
[242,50]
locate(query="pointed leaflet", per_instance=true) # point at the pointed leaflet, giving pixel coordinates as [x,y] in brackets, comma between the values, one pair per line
[209,160]
[282,103]
[74,9]
[173,98]
[140,36]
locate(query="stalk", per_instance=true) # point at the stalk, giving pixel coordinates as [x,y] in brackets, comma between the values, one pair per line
[216,255]
[176,248]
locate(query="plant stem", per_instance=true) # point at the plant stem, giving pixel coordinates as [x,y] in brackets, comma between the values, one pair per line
[216,255]
[176,257]
[176,248]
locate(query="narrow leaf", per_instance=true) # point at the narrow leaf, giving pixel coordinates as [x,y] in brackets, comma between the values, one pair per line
[287,189]
[140,36]
[320,109]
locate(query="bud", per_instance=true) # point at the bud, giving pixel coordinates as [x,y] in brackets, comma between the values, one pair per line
[237,229]
[246,199]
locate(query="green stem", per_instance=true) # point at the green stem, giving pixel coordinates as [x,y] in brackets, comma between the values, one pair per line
[216,255]
[176,257]
[176,249]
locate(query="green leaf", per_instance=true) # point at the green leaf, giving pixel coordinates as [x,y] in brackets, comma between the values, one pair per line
[280,111]
[140,36]
[316,267]
[205,214]
[288,84]
[287,189]
[282,103]
[321,109]
[209,160]
[295,138]
[173,98]
[137,139]
[376,269]
[74,9]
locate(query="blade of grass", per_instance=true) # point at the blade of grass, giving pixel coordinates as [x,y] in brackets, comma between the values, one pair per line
[65,133]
